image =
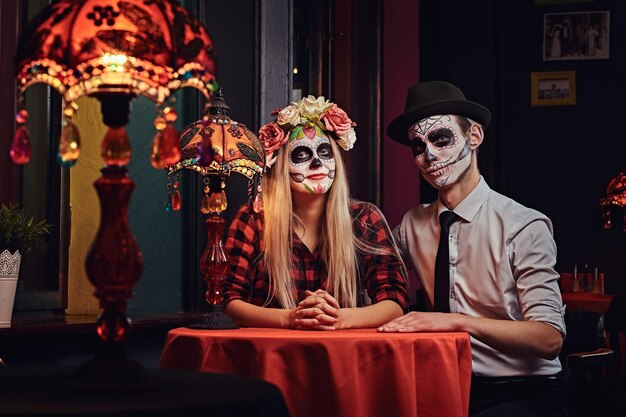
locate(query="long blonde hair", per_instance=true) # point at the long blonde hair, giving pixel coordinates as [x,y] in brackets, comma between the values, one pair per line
[338,242]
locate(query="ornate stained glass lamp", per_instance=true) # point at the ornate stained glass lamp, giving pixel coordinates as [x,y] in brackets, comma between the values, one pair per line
[214,147]
[113,50]
[615,199]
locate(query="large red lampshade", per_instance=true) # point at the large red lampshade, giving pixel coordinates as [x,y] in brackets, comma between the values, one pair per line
[103,48]
[146,47]
[113,50]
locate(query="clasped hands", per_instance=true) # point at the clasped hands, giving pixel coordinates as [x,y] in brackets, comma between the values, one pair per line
[318,311]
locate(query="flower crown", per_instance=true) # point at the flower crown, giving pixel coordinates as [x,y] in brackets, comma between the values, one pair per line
[311,111]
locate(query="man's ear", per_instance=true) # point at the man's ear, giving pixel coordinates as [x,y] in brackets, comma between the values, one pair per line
[476,135]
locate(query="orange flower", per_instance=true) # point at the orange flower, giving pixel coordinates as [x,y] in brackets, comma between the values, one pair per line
[272,136]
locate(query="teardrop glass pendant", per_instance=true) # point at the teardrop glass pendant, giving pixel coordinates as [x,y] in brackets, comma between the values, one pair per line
[204,205]
[170,152]
[168,202]
[156,157]
[69,145]
[115,147]
[20,147]
[176,204]
[217,202]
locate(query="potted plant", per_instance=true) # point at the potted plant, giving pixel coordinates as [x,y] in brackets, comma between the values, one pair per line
[18,234]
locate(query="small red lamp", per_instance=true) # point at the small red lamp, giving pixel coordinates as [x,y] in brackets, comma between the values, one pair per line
[113,50]
[214,147]
[615,198]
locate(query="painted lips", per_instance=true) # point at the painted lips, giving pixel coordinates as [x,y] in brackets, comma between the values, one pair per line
[316,177]
[438,169]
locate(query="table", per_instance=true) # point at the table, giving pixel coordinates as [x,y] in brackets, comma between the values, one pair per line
[358,373]
[45,338]
[55,391]
[599,303]
[586,301]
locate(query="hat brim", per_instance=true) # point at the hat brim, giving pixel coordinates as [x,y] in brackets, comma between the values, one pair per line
[397,129]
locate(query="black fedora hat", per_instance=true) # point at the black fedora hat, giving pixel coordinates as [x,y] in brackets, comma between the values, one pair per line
[430,98]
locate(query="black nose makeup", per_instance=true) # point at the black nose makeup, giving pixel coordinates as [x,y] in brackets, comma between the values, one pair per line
[429,155]
[316,163]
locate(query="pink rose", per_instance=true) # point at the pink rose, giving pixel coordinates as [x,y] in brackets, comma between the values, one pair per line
[272,136]
[336,120]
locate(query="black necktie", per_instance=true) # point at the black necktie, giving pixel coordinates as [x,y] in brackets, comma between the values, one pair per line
[442,268]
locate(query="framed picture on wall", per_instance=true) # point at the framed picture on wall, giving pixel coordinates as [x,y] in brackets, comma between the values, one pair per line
[554,88]
[576,35]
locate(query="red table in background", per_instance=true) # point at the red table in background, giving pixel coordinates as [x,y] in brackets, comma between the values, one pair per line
[599,303]
[354,373]
[586,301]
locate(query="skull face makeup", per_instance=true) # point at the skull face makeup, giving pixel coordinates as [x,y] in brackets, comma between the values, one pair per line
[311,161]
[442,151]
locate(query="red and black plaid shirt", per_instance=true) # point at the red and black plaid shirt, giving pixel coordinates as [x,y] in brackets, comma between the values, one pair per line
[380,275]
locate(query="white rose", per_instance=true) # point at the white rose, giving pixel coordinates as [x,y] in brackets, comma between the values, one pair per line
[288,115]
[312,107]
[347,141]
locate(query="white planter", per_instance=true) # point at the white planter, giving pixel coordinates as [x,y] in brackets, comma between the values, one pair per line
[9,271]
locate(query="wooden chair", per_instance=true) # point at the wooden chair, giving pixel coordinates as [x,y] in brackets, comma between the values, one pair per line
[589,367]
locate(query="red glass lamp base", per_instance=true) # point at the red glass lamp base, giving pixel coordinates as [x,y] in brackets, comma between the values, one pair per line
[214,266]
[215,319]
[114,263]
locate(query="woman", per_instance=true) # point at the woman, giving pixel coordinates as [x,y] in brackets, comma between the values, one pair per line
[313,259]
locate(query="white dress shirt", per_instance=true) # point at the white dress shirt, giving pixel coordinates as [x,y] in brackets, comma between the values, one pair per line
[502,258]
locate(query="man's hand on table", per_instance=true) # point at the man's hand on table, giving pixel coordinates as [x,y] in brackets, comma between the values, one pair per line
[416,321]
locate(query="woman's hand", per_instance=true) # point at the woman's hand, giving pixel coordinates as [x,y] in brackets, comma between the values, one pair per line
[318,311]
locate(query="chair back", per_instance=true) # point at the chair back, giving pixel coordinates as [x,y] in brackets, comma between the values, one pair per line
[588,366]
[615,316]
[585,333]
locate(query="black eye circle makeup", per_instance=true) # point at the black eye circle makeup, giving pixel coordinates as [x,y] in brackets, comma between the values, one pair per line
[324,151]
[301,154]
[305,151]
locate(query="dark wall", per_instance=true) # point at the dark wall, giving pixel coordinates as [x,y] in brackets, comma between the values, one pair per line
[556,159]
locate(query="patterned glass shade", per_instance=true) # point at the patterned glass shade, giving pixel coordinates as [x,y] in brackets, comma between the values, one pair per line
[615,198]
[233,148]
[214,147]
[147,47]
[616,192]
[217,145]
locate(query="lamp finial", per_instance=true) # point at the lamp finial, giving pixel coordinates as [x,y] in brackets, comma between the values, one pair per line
[218,105]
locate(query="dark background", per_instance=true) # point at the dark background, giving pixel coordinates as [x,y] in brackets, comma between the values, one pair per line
[556,159]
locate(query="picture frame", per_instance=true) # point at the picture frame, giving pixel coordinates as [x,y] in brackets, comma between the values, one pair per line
[576,35]
[553,88]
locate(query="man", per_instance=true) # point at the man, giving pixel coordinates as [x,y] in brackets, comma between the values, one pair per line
[492,275]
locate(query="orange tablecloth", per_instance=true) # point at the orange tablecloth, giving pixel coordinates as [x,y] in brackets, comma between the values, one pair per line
[586,301]
[339,373]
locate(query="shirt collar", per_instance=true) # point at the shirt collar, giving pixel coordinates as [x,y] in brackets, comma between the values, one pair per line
[468,208]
